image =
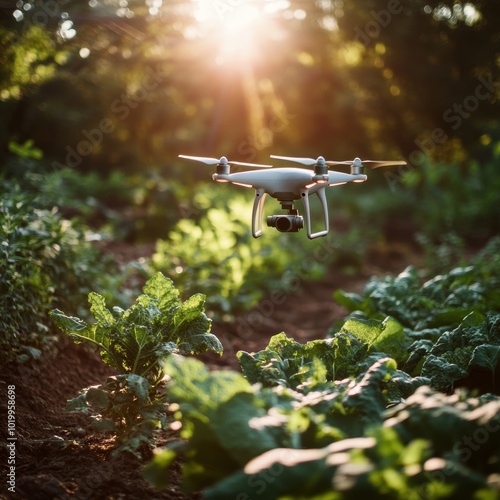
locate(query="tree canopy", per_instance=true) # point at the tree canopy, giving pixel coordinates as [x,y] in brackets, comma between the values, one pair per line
[130,84]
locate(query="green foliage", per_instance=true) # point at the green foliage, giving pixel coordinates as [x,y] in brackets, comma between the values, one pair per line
[141,207]
[126,405]
[442,301]
[467,355]
[372,411]
[136,340]
[370,80]
[330,440]
[289,363]
[26,150]
[145,101]
[454,199]
[316,424]
[442,255]
[214,252]
[451,333]
[203,397]
[386,336]
[228,422]
[90,196]
[45,261]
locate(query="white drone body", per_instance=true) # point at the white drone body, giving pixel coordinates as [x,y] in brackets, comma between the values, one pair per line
[288,185]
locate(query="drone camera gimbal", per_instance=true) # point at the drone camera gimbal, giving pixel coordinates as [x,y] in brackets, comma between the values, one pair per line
[290,223]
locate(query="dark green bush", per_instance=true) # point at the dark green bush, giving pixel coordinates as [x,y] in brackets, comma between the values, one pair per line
[45,261]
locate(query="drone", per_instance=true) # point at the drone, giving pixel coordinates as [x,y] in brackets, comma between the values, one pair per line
[288,185]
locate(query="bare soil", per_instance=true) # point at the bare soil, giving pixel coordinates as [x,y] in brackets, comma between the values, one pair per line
[58,456]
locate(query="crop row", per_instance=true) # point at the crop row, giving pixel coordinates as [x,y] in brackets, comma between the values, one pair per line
[399,401]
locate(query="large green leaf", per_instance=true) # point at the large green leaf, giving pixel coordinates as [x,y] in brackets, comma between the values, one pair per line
[442,374]
[444,300]
[201,342]
[385,336]
[289,363]
[200,394]
[97,398]
[163,290]
[69,324]
[244,428]
[98,309]
[486,356]
[366,395]
[288,472]
[199,390]
[156,471]
[79,330]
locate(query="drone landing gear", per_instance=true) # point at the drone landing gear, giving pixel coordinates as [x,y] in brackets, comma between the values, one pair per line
[290,223]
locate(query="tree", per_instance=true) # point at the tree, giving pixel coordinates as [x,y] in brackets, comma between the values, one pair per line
[429,67]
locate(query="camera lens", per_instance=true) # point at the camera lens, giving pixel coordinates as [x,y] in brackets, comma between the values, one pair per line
[284,224]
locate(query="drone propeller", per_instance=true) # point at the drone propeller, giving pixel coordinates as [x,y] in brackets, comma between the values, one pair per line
[368,163]
[223,161]
[357,162]
[304,161]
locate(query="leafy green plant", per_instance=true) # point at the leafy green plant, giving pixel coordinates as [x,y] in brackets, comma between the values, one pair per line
[442,301]
[136,342]
[126,405]
[451,334]
[137,339]
[466,356]
[45,261]
[228,422]
[455,198]
[324,438]
[288,363]
[131,208]
[442,254]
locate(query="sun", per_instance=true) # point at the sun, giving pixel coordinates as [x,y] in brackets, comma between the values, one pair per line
[227,10]
[237,27]
[240,38]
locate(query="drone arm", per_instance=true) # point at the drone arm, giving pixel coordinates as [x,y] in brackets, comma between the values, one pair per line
[322,197]
[258,205]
